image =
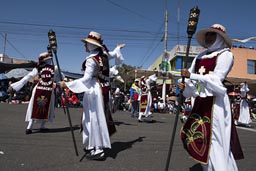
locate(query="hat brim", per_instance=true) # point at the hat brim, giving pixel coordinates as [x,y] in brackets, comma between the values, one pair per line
[92,41]
[49,57]
[200,36]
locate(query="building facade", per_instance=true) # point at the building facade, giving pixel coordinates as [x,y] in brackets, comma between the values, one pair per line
[244,68]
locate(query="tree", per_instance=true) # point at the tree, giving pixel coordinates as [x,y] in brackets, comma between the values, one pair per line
[127,73]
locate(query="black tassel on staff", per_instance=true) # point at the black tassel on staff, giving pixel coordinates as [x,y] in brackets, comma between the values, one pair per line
[191,29]
[53,45]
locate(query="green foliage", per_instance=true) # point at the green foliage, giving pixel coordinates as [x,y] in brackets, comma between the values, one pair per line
[127,72]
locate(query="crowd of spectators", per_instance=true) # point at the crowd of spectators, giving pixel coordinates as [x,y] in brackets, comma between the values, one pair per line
[10,96]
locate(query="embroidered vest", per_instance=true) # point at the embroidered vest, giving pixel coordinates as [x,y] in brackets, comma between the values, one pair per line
[43,93]
[196,133]
[103,73]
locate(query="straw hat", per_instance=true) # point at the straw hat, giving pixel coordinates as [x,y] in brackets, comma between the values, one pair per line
[44,56]
[93,38]
[217,28]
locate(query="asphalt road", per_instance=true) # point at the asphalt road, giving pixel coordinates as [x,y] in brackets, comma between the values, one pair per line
[135,147]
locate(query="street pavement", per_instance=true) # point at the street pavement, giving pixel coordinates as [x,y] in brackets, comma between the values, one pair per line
[135,147]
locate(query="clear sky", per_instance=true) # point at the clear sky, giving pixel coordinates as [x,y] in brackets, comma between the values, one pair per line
[137,23]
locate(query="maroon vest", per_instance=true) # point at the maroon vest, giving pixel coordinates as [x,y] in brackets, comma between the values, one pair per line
[43,94]
[204,66]
[196,132]
[103,74]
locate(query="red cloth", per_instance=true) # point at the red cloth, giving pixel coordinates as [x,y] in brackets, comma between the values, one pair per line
[135,96]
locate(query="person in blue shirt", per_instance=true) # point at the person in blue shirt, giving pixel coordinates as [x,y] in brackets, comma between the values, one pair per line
[134,97]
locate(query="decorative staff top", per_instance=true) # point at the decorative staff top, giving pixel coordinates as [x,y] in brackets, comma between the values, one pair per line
[192,21]
[52,40]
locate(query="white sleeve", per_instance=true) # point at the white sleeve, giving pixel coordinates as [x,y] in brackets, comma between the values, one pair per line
[117,55]
[19,84]
[83,84]
[190,89]
[244,88]
[150,79]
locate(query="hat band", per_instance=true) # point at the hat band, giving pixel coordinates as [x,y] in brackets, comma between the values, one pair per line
[219,28]
[95,38]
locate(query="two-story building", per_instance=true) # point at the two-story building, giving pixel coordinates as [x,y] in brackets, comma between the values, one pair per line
[244,68]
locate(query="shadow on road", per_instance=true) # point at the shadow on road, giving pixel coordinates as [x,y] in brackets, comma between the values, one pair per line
[56,130]
[117,123]
[117,147]
[196,167]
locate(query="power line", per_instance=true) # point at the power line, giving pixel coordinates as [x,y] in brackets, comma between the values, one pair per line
[14,47]
[131,11]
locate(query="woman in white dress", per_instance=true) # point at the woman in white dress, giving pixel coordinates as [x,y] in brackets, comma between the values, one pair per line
[45,60]
[206,134]
[244,115]
[95,129]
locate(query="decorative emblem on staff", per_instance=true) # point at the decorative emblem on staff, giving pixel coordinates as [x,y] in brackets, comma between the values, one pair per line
[191,29]
[53,46]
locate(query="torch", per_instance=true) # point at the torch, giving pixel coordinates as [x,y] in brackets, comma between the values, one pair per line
[53,45]
[191,29]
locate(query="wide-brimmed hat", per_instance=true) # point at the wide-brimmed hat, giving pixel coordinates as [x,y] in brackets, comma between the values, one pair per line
[217,28]
[94,38]
[44,56]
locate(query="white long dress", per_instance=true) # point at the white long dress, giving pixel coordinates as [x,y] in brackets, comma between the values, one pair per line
[150,79]
[221,157]
[244,116]
[95,131]
[19,84]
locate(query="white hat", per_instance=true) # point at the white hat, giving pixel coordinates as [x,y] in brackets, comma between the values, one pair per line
[93,38]
[217,28]
[44,56]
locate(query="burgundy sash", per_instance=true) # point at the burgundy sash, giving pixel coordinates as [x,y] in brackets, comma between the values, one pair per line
[103,77]
[43,94]
[196,132]
[143,102]
[236,111]
[108,115]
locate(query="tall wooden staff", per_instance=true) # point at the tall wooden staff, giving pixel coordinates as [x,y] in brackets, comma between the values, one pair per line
[49,49]
[191,29]
[53,45]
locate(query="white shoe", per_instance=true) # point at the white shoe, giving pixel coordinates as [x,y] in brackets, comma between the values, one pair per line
[96,155]
[183,119]
[236,122]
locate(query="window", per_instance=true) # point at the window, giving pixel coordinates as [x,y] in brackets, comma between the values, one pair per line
[251,66]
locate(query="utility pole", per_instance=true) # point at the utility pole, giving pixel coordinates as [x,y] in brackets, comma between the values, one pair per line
[4,45]
[165,61]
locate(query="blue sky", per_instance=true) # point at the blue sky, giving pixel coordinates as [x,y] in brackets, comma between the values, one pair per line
[137,23]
